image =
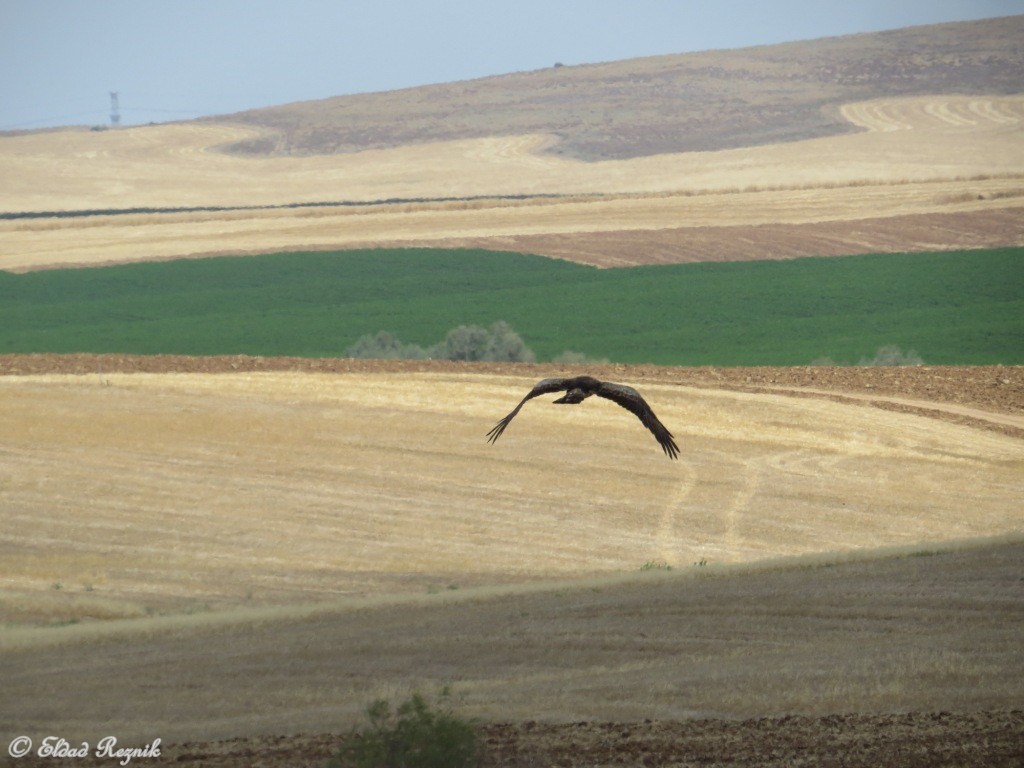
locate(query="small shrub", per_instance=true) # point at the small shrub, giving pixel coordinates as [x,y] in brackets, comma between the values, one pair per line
[413,736]
[467,342]
[655,565]
[568,357]
[505,345]
[385,346]
[891,354]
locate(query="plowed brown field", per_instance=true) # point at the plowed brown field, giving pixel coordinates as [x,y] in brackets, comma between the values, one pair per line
[904,740]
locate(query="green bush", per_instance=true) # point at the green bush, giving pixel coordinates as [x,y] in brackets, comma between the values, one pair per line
[499,343]
[578,358]
[505,345]
[415,735]
[891,354]
[385,346]
[467,342]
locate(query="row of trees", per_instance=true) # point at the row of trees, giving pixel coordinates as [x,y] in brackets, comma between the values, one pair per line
[499,343]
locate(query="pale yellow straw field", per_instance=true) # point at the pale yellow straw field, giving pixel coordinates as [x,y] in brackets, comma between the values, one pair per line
[916,155]
[130,495]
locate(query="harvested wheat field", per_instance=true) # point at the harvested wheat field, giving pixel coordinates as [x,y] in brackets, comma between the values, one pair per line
[918,139]
[957,157]
[253,554]
[150,493]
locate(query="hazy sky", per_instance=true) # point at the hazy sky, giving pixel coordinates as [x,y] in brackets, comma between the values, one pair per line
[175,59]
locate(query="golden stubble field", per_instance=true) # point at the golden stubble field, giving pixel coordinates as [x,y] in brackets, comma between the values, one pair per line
[128,495]
[917,156]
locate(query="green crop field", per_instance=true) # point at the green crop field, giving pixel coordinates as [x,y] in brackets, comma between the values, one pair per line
[964,307]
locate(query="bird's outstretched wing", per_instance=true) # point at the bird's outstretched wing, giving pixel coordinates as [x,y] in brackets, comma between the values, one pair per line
[540,388]
[631,400]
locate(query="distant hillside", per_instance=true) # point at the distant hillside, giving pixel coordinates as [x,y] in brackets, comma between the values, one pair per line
[687,102]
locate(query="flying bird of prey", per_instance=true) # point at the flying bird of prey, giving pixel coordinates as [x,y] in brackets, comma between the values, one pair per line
[579,388]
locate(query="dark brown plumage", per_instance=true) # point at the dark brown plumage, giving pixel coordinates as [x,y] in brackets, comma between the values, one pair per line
[579,388]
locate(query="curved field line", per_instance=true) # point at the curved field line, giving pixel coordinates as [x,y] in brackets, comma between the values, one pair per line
[947,112]
[921,113]
[874,117]
[927,407]
[997,112]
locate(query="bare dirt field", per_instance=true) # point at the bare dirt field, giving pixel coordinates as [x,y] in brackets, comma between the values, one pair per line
[924,172]
[926,740]
[993,228]
[248,549]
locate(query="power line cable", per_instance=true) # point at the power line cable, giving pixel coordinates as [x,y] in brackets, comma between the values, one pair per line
[56,121]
